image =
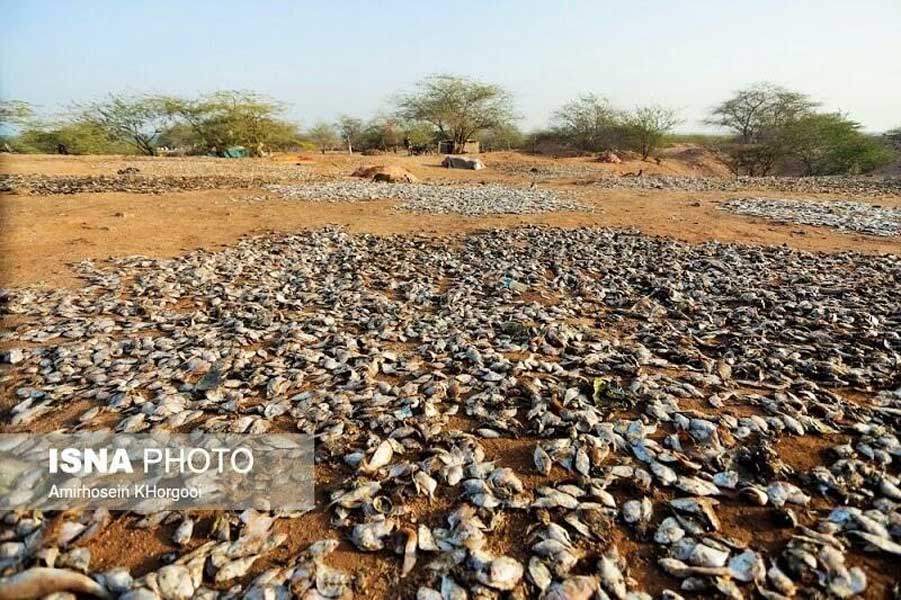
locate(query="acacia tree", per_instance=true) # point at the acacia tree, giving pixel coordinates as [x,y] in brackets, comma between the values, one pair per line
[778,129]
[323,135]
[647,126]
[457,107]
[136,120]
[832,144]
[589,123]
[350,129]
[383,132]
[234,118]
[505,137]
[15,112]
[78,137]
[418,133]
[752,113]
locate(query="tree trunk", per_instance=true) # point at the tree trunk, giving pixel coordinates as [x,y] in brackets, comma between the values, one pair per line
[459,143]
[350,148]
[145,146]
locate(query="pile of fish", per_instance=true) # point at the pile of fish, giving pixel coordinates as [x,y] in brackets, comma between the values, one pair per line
[438,199]
[843,215]
[547,169]
[207,166]
[527,413]
[839,184]
[127,181]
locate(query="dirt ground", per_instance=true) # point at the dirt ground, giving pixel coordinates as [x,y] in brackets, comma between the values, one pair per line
[677,160]
[43,236]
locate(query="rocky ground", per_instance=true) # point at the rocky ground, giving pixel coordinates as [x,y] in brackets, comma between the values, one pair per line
[513,411]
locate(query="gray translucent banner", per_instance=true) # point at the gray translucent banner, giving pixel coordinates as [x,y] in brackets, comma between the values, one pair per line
[149,472]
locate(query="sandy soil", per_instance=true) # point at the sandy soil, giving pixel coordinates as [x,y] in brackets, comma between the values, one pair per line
[43,236]
[678,160]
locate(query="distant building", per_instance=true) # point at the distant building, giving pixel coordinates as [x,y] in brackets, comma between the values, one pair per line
[448,147]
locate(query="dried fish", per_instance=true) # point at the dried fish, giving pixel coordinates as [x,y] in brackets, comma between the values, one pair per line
[506,388]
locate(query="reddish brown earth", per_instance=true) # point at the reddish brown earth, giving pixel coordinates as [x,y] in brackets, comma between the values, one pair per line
[43,236]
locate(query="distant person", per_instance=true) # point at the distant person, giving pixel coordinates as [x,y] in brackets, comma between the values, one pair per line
[61,149]
[407,146]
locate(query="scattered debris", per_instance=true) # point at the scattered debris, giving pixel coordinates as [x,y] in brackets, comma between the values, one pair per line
[429,198]
[850,186]
[422,366]
[843,215]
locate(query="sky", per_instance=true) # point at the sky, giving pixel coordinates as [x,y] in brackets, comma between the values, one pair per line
[325,58]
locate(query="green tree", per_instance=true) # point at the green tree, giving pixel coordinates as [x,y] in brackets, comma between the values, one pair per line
[832,144]
[78,137]
[180,136]
[457,107]
[504,137]
[774,129]
[235,118]
[648,126]
[419,133]
[589,123]
[383,132]
[350,129]
[756,160]
[136,120]
[15,112]
[323,135]
[893,138]
[755,112]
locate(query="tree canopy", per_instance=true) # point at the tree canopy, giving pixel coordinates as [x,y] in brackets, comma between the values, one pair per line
[350,129]
[648,126]
[772,129]
[893,138]
[589,123]
[504,137]
[831,144]
[754,112]
[78,137]
[383,132]
[323,136]
[15,112]
[457,107]
[780,130]
[136,120]
[233,118]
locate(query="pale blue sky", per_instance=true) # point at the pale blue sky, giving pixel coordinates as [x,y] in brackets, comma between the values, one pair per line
[331,57]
